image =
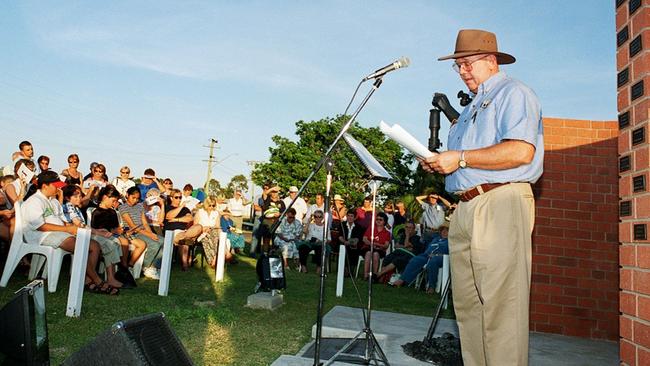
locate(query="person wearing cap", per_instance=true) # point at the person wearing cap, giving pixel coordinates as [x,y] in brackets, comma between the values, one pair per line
[236,207]
[232,233]
[496,150]
[42,217]
[300,205]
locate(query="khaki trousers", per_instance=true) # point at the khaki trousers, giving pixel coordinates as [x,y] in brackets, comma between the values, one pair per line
[490,253]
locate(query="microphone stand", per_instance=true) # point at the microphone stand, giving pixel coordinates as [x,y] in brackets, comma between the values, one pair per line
[321,162]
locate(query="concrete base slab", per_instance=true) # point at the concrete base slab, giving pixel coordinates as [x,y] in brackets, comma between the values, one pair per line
[392,330]
[265,300]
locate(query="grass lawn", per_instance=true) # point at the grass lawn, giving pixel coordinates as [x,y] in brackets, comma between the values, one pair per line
[211,319]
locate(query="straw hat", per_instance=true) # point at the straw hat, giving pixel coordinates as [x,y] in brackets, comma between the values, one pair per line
[470,42]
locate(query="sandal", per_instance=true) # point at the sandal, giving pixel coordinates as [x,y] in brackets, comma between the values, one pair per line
[93,287]
[107,289]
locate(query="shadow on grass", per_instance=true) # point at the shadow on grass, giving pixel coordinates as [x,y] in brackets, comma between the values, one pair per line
[211,318]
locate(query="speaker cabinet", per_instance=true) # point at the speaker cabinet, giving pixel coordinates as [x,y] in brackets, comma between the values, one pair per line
[147,340]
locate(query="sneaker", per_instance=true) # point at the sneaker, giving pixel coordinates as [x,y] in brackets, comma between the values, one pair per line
[152,272]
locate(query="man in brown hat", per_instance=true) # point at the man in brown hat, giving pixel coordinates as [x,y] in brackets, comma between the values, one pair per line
[496,150]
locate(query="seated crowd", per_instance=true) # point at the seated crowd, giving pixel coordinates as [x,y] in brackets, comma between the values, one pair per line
[128,221]
[406,249]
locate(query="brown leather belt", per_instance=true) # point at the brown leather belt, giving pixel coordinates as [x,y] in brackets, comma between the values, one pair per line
[479,190]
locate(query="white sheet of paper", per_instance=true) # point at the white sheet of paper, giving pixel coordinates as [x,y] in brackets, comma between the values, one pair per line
[402,137]
[25,173]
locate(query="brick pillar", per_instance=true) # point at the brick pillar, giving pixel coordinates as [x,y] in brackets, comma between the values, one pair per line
[633,83]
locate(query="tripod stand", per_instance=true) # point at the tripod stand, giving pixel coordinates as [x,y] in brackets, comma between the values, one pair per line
[373,351]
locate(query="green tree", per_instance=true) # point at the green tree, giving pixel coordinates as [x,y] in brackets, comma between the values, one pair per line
[291,162]
[239,181]
[213,188]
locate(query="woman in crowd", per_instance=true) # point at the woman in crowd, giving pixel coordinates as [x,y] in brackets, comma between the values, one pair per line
[313,241]
[133,217]
[379,239]
[123,181]
[71,174]
[109,243]
[208,217]
[228,227]
[408,246]
[168,185]
[179,219]
[94,184]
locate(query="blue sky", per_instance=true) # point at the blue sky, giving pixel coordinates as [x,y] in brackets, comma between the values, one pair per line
[148,83]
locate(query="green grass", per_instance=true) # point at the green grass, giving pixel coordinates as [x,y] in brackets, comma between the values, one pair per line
[211,318]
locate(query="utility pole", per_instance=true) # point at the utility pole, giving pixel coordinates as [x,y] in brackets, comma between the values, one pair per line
[210,162]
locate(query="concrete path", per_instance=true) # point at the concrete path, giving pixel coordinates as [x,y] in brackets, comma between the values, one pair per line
[392,330]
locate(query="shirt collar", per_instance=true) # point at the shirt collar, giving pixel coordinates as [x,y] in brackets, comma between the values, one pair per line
[490,83]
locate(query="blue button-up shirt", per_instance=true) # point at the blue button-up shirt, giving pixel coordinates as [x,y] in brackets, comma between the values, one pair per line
[503,109]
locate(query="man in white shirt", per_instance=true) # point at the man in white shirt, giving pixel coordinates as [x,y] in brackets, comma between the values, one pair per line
[433,214]
[236,207]
[42,222]
[319,205]
[300,205]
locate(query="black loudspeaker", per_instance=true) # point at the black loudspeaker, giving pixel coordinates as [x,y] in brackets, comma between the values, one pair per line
[147,340]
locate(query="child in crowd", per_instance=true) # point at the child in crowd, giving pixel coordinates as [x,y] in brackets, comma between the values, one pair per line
[154,210]
[110,245]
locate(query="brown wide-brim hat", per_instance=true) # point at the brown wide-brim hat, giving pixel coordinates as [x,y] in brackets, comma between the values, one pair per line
[470,42]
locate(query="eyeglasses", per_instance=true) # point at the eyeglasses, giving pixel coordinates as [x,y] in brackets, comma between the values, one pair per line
[466,64]
[318,217]
[98,171]
[73,161]
[125,172]
[176,197]
[167,183]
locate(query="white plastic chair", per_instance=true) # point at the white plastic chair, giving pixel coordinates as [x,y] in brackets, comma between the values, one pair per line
[361,259]
[19,248]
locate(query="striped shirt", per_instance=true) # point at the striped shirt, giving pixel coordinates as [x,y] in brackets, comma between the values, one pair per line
[134,212]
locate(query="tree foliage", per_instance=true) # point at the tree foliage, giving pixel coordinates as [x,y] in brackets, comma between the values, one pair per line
[291,162]
[238,181]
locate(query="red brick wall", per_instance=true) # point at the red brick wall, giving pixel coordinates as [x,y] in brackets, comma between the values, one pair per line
[633,117]
[575,242]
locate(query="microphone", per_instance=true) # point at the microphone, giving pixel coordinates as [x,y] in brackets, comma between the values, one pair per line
[402,62]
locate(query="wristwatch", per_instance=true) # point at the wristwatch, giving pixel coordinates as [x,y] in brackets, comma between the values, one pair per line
[462,163]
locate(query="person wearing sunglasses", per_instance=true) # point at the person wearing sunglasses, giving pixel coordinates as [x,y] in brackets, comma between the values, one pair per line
[94,183]
[71,173]
[180,220]
[313,241]
[379,239]
[123,181]
[208,217]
